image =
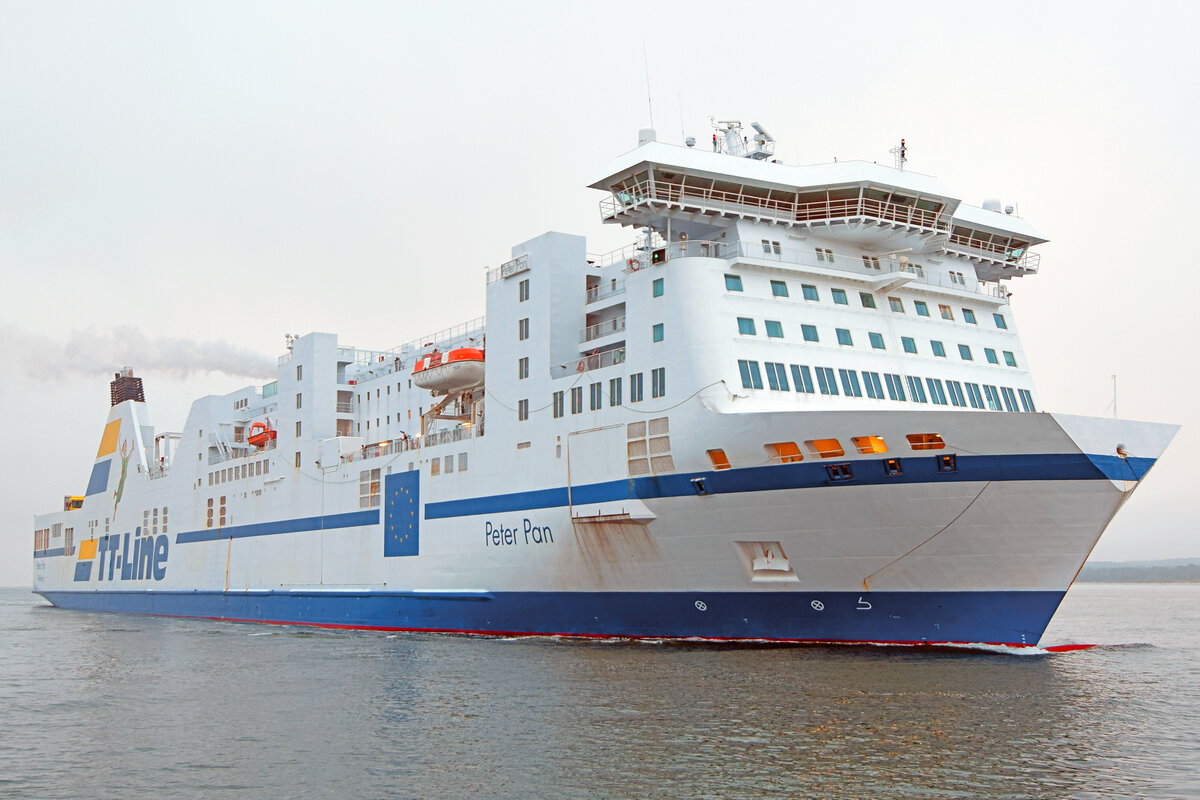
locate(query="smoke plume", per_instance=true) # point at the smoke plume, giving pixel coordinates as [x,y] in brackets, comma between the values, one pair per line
[93,351]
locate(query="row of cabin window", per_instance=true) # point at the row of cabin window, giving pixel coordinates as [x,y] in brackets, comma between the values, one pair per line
[445,464]
[950,392]
[250,470]
[789,452]
[774,329]
[733,283]
[597,395]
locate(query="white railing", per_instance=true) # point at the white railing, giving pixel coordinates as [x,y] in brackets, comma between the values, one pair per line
[588,363]
[415,443]
[780,210]
[605,290]
[345,408]
[605,328]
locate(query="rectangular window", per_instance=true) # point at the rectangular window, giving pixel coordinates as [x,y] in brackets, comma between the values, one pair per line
[657,287]
[968,316]
[522,410]
[614,391]
[558,404]
[802,378]
[777,377]
[297,429]
[299,372]
[368,488]
[733,283]
[576,399]
[825,380]
[635,387]
[523,329]
[843,337]
[448,465]
[867,300]
[595,396]
[766,246]
[964,352]
[296,460]
[957,398]
[810,292]
[876,341]
[938,348]
[839,296]
[774,329]
[947,312]
[824,254]
[1000,321]
[299,400]
[894,387]
[751,377]
[809,332]
[922,309]
[656,333]
[974,395]
[523,368]
[910,346]
[1009,358]
[462,462]
[435,466]
[990,355]
[936,393]
[745,326]
[658,382]
[850,384]
[1027,400]
[870,262]
[523,291]
[896,304]
[916,390]
[873,385]
[1010,398]
[993,397]
[779,289]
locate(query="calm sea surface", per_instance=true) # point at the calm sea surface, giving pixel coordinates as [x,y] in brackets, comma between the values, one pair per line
[103,706]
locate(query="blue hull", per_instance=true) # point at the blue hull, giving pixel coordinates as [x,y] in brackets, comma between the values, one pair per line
[1015,618]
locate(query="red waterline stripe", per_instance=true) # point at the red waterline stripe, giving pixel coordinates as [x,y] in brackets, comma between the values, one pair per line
[601,636]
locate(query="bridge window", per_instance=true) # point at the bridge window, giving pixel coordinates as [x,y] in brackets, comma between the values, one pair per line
[733,283]
[745,326]
[779,289]
[839,296]
[922,309]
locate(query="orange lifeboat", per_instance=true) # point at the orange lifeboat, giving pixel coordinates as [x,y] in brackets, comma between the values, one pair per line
[260,435]
[455,371]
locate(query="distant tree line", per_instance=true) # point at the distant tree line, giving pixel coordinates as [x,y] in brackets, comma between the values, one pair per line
[1186,573]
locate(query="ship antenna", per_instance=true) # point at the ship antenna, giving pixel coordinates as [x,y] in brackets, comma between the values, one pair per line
[900,151]
[1114,377]
[646,64]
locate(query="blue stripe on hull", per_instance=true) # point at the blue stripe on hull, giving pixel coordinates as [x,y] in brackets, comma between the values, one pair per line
[1011,617]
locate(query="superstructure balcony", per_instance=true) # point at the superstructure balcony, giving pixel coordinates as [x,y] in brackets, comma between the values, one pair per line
[643,203]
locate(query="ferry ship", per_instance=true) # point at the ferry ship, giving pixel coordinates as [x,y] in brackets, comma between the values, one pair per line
[794,408]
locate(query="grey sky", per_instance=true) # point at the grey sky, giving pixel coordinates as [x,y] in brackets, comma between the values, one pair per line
[222,173]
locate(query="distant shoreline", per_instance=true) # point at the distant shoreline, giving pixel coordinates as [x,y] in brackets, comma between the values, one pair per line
[1142,572]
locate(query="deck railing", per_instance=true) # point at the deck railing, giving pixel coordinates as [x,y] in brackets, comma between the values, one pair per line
[771,208]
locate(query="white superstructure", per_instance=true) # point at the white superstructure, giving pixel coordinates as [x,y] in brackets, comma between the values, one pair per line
[795,407]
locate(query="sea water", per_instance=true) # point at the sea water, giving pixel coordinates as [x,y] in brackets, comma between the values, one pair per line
[108,706]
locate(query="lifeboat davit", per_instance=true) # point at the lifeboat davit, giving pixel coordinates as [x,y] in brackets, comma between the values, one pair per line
[455,371]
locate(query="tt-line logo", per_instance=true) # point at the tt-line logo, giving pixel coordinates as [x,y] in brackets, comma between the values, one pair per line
[131,557]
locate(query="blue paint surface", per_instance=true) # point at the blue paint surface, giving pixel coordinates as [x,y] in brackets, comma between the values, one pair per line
[1011,617]
[807,475]
[328,522]
[99,481]
[402,514]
